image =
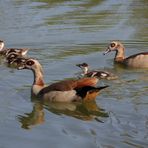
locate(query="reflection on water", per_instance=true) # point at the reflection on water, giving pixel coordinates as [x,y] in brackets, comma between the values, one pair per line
[84,111]
[33,118]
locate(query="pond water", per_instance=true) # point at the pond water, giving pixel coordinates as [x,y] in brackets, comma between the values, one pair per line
[60,34]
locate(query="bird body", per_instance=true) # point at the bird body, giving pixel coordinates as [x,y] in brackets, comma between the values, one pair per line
[62,91]
[100,74]
[139,60]
[7,51]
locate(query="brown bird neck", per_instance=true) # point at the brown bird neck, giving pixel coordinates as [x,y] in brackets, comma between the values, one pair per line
[119,57]
[38,77]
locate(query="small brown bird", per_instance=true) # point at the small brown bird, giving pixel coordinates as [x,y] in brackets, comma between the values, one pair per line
[6,51]
[139,60]
[96,73]
[11,57]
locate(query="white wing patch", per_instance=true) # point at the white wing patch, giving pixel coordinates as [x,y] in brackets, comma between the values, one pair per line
[93,74]
[103,74]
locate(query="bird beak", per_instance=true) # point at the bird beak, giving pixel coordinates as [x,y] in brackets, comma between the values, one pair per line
[24,51]
[78,65]
[107,51]
[21,67]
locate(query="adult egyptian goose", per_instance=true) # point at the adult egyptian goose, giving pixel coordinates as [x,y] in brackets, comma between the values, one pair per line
[139,60]
[96,73]
[63,91]
[7,51]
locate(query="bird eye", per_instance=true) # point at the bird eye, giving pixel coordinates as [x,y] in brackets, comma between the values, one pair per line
[112,44]
[30,63]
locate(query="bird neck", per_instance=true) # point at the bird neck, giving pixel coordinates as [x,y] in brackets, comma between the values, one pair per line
[38,77]
[119,57]
[38,83]
[85,70]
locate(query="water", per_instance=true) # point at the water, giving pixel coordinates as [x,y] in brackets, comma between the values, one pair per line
[62,33]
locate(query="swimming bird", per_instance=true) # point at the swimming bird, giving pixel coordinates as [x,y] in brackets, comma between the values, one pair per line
[6,51]
[62,91]
[139,60]
[96,73]
[11,57]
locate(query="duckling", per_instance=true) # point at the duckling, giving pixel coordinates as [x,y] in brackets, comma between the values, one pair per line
[96,73]
[7,51]
[63,91]
[139,60]
[11,57]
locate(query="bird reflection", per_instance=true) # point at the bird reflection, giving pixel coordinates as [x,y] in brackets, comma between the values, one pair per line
[81,110]
[36,117]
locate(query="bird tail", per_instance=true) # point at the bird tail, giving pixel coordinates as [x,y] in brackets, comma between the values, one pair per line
[89,92]
[100,88]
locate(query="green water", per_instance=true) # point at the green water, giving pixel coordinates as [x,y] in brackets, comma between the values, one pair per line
[60,34]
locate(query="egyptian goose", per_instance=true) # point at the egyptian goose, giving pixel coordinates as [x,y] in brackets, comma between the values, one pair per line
[7,51]
[63,91]
[96,73]
[139,60]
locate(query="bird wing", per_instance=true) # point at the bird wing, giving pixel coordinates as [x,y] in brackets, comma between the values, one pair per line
[67,85]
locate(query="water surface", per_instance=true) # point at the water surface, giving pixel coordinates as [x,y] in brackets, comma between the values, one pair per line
[62,33]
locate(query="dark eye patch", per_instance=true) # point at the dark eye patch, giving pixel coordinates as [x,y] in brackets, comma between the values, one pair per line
[112,44]
[30,63]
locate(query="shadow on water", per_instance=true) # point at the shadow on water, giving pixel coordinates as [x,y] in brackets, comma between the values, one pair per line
[86,111]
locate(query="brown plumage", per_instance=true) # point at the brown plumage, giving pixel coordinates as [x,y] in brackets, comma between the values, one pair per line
[67,85]
[63,91]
